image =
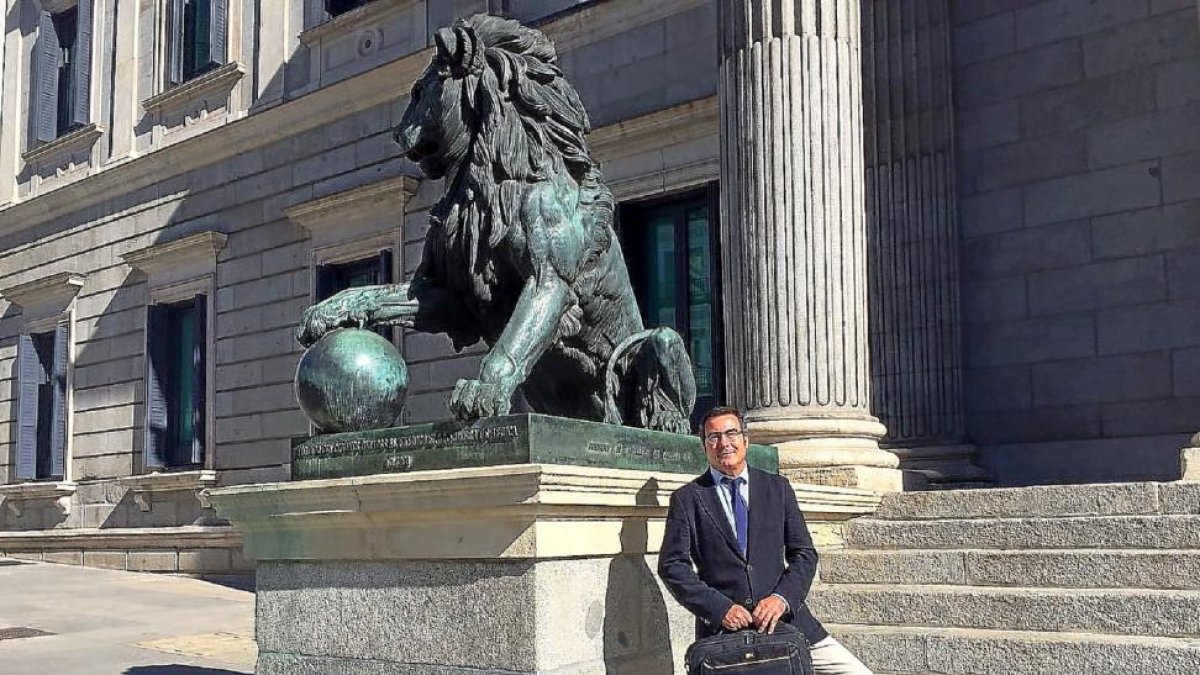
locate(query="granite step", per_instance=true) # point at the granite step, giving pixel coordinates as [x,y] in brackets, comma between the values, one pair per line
[1157,532]
[1071,568]
[960,651]
[1107,611]
[1045,501]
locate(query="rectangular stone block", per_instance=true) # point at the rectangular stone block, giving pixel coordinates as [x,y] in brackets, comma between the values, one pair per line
[1092,194]
[264,452]
[1163,325]
[1018,74]
[1055,20]
[1033,426]
[994,300]
[1081,106]
[1103,380]
[1185,368]
[988,126]
[1080,459]
[1098,285]
[991,168]
[984,39]
[1178,83]
[991,212]
[209,560]
[63,557]
[24,555]
[112,560]
[1140,43]
[995,389]
[153,561]
[1145,418]
[1181,177]
[1162,228]
[1032,341]
[1161,133]
[1059,245]
[1183,274]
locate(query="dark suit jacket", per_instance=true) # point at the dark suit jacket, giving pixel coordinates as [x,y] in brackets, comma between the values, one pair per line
[780,558]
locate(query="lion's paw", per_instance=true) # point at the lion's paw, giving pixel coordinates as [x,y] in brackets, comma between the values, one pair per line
[473,399]
[339,311]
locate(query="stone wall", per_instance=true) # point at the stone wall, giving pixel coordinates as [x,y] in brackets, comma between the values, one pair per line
[1079,184]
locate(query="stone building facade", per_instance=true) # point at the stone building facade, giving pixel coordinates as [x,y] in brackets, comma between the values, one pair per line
[991,269]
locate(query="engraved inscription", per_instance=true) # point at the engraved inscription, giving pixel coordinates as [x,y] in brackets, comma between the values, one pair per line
[642,453]
[461,440]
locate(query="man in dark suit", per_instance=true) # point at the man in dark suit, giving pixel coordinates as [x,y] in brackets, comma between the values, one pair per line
[737,553]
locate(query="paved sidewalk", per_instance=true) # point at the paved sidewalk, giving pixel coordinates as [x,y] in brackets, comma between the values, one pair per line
[103,622]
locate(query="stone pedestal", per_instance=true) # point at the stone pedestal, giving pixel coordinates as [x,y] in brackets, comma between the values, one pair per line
[1189,460]
[515,569]
[794,236]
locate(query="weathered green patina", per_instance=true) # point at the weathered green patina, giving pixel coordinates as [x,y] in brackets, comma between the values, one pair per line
[521,251]
[352,379]
[510,439]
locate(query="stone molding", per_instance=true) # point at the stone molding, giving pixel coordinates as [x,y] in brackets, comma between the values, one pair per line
[1189,460]
[382,201]
[56,290]
[189,257]
[15,495]
[144,486]
[655,130]
[69,143]
[189,536]
[525,511]
[220,80]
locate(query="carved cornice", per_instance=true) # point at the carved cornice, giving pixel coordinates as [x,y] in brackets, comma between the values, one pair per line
[188,536]
[377,200]
[197,251]
[14,496]
[677,124]
[55,289]
[221,79]
[83,137]
[145,485]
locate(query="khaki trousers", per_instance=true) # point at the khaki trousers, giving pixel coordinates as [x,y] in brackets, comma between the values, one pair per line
[831,658]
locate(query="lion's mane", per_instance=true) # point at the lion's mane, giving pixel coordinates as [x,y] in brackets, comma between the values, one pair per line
[527,125]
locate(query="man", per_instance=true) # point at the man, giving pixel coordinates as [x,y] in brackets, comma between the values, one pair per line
[737,553]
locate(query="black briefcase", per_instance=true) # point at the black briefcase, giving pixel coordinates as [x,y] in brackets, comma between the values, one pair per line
[748,652]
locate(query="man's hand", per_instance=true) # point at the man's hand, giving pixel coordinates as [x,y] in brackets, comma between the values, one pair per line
[737,618]
[768,612]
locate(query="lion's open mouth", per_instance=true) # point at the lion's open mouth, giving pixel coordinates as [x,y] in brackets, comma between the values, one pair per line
[424,148]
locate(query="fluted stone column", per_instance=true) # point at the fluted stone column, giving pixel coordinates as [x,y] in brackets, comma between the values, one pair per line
[794,237]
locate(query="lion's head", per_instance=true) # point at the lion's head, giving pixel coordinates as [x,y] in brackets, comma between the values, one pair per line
[494,95]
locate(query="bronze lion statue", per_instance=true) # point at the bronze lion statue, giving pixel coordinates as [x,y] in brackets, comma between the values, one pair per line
[521,251]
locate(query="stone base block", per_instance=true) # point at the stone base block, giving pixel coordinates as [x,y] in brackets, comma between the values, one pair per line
[581,616]
[1189,460]
[871,478]
[943,465]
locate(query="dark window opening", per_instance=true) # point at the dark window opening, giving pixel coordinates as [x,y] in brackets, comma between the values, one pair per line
[671,249]
[197,38]
[340,7]
[373,271]
[175,410]
[66,26]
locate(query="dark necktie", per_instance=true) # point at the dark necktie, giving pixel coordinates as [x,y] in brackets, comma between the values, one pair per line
[740,520]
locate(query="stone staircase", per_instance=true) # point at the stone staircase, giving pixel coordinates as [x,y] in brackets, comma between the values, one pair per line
[1054,580]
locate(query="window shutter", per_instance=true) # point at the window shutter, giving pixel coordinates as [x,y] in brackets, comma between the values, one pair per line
[384,276]
[175,42]
[58,432]
[217,31]
[157,371]
[29,377]
[199,362]
[45,124]
[81,69]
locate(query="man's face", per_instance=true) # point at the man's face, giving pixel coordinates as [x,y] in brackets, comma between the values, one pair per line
[725,444]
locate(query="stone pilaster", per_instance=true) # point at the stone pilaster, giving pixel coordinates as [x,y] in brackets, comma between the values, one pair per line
[912,237]
[794,236]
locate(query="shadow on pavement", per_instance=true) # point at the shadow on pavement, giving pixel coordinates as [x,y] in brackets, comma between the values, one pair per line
[172,669]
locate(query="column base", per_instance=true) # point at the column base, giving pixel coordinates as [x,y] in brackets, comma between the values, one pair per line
[946,466]
[838,451]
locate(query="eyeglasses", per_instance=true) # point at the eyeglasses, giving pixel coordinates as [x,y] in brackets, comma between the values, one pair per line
[729,434]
